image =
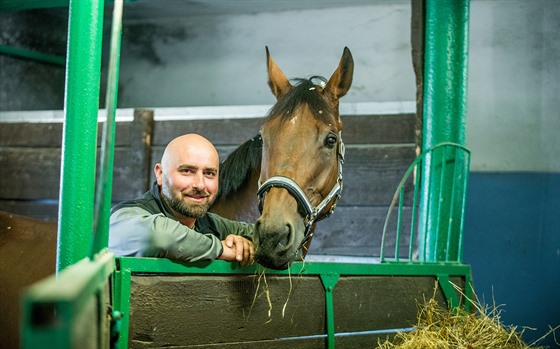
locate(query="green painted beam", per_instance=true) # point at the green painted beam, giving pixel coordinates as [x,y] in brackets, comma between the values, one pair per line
[51,306]
[33,55]
[164,265]
[79,139]
[104,185]
[329,281]
[445,101]
[328,272]
[23,5]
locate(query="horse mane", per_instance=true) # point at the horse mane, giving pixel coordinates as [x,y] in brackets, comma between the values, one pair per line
[305,91]
[236,169]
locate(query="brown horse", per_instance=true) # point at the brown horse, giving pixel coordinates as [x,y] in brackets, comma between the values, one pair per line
[301,155]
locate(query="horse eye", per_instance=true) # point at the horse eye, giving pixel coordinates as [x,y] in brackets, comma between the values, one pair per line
[330,141]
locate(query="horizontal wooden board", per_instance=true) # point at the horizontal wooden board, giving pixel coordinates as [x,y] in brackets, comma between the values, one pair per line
[39,209]
[34,173]
[177,310]
[357,231]
[49,135]
[357,129]
[350,231]
[364,303]
[371,174]
[189,311]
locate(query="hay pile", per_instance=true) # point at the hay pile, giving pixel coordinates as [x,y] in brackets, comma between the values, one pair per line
[439,328]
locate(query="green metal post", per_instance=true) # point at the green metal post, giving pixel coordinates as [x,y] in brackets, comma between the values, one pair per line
[105,184]
[329,281]
[445,100]
[79,142]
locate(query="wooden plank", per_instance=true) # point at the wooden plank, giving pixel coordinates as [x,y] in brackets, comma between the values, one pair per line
[35,167]
[205,310]
[190,311]
[219,132]
[357,129]
[364,303]
[49,135]
[34,173]
[39,209]
[357,231]
[371,173]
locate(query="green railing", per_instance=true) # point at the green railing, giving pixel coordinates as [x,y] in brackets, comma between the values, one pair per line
[72,309]
[328,273]
[451,163]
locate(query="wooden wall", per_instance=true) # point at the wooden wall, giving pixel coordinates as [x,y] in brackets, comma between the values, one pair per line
[379,149]
[240,311]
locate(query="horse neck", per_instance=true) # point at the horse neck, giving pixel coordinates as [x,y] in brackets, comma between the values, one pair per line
[240,205]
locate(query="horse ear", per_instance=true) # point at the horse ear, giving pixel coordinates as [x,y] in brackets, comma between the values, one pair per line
[341,80]
[279,84]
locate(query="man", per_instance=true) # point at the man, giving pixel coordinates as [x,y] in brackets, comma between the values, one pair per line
[171,220]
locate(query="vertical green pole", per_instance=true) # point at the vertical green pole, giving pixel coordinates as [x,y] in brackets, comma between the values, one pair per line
[104,187]
[79,139]
[329,281]
[445,100]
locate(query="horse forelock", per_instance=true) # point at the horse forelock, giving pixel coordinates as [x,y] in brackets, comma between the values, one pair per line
[236,169]
[306,92]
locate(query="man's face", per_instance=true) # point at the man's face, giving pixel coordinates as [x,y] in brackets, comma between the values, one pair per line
[189,184]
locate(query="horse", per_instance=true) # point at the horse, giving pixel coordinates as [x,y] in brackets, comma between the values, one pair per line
[301,155]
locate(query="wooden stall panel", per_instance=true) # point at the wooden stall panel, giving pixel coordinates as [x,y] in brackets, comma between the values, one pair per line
[379,150]
[235,311]
[245,311]
[30,158]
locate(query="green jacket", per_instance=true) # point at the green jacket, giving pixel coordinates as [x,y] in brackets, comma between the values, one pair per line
[145,227]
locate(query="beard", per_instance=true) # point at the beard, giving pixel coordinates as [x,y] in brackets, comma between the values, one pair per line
[191,209]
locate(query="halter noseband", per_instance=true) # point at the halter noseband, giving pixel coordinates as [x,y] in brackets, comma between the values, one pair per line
[312,213]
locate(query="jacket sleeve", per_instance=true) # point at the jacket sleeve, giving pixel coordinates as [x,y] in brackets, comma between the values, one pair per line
[226,226]
[133,231]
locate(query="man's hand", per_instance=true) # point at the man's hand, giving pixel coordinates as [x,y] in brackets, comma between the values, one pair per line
[237,248]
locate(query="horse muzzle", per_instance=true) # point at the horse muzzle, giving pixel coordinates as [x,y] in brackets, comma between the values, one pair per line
[277,241]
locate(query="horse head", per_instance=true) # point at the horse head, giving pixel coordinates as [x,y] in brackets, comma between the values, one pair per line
[301,166]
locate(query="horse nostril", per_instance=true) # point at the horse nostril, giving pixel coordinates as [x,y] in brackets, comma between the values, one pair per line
[286,238]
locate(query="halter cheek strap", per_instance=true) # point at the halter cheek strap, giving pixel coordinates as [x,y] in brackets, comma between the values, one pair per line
[312,213]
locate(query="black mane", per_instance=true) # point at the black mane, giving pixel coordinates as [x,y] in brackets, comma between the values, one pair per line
[304,92]
[236,168]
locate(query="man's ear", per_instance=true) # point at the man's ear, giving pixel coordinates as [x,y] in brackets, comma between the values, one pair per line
[158,171]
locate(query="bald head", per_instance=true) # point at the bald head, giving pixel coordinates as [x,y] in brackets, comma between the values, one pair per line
[187,146]
[188,176]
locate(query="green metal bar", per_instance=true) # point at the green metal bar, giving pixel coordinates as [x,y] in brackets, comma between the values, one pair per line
[122,303]
[463,205]
[453,208]
[155,265]
[414,212]
[22,5]
[79,142]
[105,182]
[448,291]
[399,225]
[439,249]
[445,100]
[52,305]
[33,55]
[329,281]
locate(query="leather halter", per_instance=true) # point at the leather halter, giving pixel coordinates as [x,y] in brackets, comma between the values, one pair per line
[312,213]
